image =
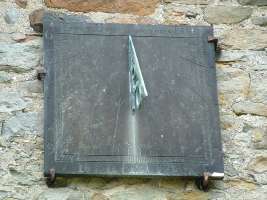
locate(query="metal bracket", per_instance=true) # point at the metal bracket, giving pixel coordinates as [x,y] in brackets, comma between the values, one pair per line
[203,182]
[51,177]
[214,40]
[41,73]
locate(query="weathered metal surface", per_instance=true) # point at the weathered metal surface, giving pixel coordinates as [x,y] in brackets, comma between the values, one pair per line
[89,126]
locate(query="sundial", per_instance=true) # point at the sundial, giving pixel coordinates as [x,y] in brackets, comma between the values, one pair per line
[130,100]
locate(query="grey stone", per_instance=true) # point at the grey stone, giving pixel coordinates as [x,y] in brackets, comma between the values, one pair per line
[261,178]
[226,14]
[20,57]
[261,21]
[1,125]
[140,193]
[63,194]
[78,195]
[257,60]
[239,38]
[230,169]
[258,87]
[247,127]
[12,101]
[5,38]
[3,194]
[230,56]
[246,107]
[253,2]
[23,123]
[227,121]
[4,77]
[259,138]
[233,84]
[11,16]
[3,142]
[256,57]
[253,57]
[21,177]
[35,86]
[53,195]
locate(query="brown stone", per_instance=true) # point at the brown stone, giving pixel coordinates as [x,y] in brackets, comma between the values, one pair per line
[233,83]
[99,196]
[36,20]
[18,37]
[21,3]
[190,2]
[239,38]
[238,184]
[138,7]
[195,195]
[259,165]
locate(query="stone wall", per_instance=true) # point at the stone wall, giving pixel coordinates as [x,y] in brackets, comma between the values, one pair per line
[240,26]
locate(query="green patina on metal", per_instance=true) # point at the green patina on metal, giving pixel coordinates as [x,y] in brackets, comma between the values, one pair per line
[137,85]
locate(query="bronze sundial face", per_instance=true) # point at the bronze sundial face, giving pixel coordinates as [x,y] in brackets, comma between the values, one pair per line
[130,100]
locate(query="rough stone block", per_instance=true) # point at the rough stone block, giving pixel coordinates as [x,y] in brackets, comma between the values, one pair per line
[4,77]
[239,38]
[261,21]
[138,7]
[20,57]
[259,138]
[19,37]
[253,2]
[11,16]
[233,83]
[23,123]
[258,87]
[259,165]
[182,14]
[12,101]
[63,194]
[193,2]
[247,107]
[21,3]
[226,14]
[253,57]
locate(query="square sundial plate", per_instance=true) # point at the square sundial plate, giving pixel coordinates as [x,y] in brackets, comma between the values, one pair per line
[90,125]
